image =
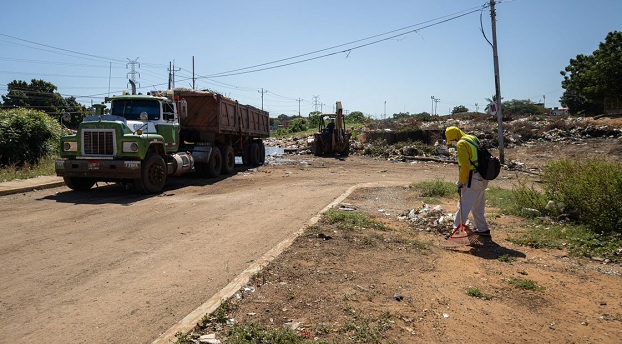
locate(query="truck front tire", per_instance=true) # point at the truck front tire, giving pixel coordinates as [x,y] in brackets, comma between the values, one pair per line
[153,174]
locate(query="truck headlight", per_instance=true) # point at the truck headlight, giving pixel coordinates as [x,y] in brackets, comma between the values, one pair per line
[70,146]
[130,147]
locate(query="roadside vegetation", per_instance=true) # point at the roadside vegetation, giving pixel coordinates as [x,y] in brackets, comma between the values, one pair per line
[575,210]
[28,143]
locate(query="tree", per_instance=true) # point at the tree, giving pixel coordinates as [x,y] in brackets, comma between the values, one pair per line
[589,79]
[26,136]
[42,96]
[355,117]
[298,124]
[459,108]
[522,108]
[314,119]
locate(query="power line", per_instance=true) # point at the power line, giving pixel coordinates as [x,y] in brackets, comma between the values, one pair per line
[61,49]
[451,17]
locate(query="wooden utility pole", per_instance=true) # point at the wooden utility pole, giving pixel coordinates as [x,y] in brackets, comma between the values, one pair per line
[497,82]
[299,100]
[262,93]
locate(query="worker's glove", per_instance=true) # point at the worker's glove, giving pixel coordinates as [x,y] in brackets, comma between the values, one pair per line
[459,186]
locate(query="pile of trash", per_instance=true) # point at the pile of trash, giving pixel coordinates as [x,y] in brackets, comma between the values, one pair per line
[432,219]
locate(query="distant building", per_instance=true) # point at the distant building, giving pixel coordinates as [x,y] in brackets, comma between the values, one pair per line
[559,111]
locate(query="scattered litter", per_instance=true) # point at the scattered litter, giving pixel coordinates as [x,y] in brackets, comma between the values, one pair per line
[324,236]
[209,339]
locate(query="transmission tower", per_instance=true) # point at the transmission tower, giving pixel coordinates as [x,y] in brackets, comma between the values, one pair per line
[132,73]
[316,102]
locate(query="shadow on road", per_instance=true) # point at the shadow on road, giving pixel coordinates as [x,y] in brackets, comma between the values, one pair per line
[126,194]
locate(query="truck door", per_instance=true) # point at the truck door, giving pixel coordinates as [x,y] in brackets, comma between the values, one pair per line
[169,128]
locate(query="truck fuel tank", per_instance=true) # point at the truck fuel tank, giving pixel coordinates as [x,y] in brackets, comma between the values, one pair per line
[180,163]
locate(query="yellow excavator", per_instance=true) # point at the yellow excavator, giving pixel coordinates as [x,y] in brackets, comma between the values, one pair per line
[332,137]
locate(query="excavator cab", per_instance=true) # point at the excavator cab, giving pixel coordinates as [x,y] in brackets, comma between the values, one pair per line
[332,137]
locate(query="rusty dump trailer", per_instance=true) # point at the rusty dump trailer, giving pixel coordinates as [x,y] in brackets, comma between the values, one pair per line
[208,118]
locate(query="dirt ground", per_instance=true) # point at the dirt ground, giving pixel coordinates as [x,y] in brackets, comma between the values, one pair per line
[400,285]
[112,266]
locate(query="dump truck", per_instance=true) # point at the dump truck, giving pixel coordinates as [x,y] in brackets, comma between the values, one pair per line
[332,137]
[144,139]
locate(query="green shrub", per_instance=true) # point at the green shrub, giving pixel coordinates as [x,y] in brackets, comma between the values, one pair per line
[435,188]
[26,136]
[254,332]
[590,189]
[525,197]
[525,284]
[352,220]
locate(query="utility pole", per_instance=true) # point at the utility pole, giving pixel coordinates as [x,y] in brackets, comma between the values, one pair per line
[476,108]
[109,77]
[432,111]
[262,92]
[544,101]
[493,18]
[132,73]
[193,75]
[435,104]
[171,75]
[385,110]
[299,100]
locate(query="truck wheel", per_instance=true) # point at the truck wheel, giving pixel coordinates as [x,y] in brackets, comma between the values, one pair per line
[253,156]
[262,152]
[228,159]
[214,165]
[246,152]
[153,174]
[79,184]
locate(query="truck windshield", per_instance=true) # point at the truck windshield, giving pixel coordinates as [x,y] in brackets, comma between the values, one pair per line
[131,109]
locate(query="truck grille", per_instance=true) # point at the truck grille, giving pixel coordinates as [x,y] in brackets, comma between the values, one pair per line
[100,142]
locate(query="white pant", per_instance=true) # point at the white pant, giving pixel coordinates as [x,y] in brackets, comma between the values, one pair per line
[473,201]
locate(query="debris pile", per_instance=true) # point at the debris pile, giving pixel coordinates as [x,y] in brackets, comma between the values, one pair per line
[429,219]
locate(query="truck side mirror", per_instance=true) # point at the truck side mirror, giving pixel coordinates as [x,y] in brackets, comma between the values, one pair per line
[183,108]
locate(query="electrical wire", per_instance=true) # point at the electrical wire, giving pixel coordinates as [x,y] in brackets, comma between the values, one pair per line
[452,16]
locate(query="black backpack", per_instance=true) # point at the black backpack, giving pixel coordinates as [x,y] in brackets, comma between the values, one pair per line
[487,164]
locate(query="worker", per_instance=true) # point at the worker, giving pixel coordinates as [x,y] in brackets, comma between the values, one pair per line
[471,186]
[328,132]
[331,126]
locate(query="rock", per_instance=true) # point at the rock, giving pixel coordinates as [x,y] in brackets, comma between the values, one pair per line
[531,212]
[209,339]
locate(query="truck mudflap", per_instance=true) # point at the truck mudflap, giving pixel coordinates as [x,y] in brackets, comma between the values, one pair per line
[100,169]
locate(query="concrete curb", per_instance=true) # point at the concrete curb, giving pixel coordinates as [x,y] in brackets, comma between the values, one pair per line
[27,188]
[188,323]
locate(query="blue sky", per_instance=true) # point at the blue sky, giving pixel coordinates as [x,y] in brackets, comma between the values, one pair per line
[84,47]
